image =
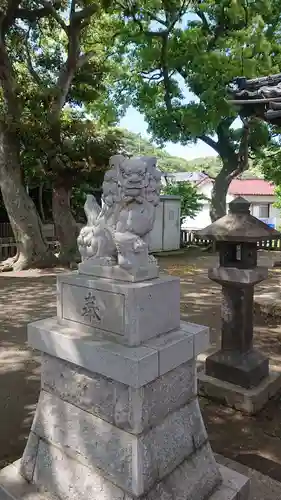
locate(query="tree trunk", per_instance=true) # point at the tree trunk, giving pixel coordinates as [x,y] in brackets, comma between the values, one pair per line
[41,204]
[32,249]
[219,192]
[66,227]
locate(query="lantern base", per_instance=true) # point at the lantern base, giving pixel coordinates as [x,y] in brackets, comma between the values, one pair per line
[233,486]
[249,401]
[243,369]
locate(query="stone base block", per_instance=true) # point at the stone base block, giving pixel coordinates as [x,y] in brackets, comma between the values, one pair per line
[242,369]
[132,312]
[118,273]
[134,365]
[132,462]
[235,276]
[13,486]
[133,410]
[249,401]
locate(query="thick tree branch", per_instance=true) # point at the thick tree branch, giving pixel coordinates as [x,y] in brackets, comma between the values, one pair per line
[14,11]
[8,84]
[171,17]
[243,153]
[8,15]
[31,69]
[155,18]
[204,20]
[50,9]
[210,142]
[72,8]
[165,73]
[74,59]
[86,13]
[66,76]
[84,58]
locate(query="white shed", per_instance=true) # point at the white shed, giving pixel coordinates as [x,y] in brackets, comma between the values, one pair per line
[165,235]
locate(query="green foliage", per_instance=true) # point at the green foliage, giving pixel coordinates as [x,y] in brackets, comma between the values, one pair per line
[66,82]
[212,165]
[269,161]
[82,155]
[278,195]
[135,145]
[190,198]
[200,48]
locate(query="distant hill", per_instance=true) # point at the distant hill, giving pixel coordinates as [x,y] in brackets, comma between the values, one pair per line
[209,164]
[212,165]
[134,144]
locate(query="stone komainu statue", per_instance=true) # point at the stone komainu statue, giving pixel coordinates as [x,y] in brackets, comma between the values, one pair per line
[118,233]
[260,97]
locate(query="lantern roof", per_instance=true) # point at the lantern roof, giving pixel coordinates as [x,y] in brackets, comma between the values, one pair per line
[238,226]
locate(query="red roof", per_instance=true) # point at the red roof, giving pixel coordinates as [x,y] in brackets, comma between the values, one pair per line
[244,187]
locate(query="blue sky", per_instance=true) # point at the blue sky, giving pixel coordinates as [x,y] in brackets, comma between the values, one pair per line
[135,122]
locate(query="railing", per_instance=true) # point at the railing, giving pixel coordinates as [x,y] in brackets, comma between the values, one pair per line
[189,238]
[6,230]
[8,247]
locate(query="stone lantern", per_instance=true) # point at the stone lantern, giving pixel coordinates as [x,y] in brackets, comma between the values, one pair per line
[238,374]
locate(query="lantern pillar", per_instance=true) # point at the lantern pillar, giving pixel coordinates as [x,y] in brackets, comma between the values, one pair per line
[238,374]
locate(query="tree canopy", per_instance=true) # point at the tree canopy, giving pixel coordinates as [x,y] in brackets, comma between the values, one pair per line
[59,60]
[179,47]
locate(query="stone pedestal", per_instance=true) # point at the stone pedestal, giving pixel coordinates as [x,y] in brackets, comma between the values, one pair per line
[238,375]
[118,416]
[237,362]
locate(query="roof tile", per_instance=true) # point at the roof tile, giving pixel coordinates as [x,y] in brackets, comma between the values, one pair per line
[244,187]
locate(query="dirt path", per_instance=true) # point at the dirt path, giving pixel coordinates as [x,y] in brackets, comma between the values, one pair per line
[25,297]
[253,441]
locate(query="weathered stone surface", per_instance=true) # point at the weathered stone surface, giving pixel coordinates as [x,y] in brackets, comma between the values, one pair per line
[234,486]
[133,311]
[13,486]
[28,459]
[104,397]
[119,231]
[69,479]
[173,349]
[234,482]
[195,479]
[246,369]
[201,336]
[237,318]
[128,408]
[151,271]
[91,441]
[132,462]
[180,434]
[249,401]
[171,391]
[139,365]
[233,275]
